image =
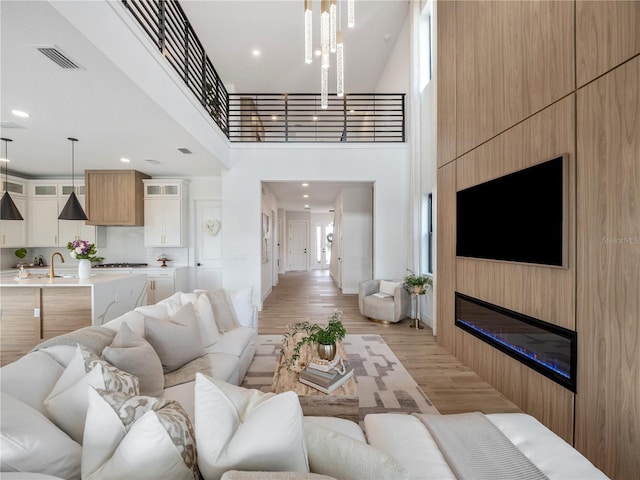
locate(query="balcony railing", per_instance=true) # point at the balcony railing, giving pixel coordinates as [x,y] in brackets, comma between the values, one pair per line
[168,27]
[265,117]
[299,118]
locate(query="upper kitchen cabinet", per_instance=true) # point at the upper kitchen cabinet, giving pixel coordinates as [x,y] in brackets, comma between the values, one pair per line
[42,221]
[165,212]
[115,197]
[13,233]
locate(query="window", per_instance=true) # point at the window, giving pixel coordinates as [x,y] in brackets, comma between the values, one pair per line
[427,229]
[425,46]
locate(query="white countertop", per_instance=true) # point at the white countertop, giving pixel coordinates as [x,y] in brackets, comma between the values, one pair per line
[43,280]
[73,269]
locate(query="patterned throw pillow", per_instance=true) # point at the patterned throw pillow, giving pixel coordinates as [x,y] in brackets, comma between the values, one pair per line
[67,402]
[137,437]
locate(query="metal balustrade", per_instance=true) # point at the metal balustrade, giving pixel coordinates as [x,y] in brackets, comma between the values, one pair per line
[298,118]
[265,117]
[168,27]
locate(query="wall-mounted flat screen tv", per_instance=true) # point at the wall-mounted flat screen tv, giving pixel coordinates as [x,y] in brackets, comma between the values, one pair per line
[520,217]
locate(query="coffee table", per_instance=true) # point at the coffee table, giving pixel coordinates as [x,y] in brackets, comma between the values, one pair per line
[342,402]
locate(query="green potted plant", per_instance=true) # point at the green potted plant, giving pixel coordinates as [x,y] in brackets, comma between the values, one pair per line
[20,253]
[417,284]
[305,333]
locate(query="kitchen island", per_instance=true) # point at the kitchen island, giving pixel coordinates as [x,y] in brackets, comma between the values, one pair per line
[38,308]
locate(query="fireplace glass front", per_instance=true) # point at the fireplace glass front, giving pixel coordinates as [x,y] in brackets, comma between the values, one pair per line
[547,348]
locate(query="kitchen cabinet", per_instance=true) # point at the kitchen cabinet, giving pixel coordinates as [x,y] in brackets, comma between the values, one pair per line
[38,308]
[13,233]
[115,197]
[165,213]
[162,283]
[42,222]
[31,315]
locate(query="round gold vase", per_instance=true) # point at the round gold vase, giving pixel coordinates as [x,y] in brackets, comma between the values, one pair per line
[327,352]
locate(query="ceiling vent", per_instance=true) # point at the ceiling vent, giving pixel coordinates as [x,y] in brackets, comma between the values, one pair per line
[58,56]
[8,124]
[186,151]
[153,161]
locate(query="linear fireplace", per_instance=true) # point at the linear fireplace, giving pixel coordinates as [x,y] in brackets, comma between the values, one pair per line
[549,349]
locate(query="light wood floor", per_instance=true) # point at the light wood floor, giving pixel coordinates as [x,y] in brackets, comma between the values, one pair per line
[451,386]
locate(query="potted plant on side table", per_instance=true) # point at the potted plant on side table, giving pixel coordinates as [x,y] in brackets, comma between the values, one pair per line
[305,333]
[417,284]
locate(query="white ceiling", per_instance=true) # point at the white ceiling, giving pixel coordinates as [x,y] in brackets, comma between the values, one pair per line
[321,195]
[112,117]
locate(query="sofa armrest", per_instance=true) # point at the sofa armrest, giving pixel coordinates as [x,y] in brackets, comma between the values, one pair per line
[402,302]
[365,288]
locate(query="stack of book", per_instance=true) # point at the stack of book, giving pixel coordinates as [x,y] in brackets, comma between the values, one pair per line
[326,378]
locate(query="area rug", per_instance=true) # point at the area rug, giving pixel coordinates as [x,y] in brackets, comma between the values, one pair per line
[384,385]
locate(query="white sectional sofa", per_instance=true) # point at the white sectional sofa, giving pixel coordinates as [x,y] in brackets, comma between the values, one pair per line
[234,431]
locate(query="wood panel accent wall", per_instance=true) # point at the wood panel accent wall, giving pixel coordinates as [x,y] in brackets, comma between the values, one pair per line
[607,34]
[608,314]
[535,394]
[518,101]
[512,60]
[446,256]
[542,292]
[446,78]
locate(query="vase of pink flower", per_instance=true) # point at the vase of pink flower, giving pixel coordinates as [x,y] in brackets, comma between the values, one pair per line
[85,252]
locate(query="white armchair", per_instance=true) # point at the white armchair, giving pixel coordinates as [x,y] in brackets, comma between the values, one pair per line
[383,301]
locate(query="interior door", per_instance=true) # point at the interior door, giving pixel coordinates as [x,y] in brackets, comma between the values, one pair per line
[208,248]
[323,242]
[298,245]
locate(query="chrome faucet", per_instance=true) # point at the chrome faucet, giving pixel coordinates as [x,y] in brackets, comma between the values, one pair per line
[52,273]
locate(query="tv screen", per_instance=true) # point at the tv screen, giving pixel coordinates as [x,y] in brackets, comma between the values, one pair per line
[517,217]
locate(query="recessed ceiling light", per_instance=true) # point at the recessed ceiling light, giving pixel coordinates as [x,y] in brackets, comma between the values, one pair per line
[352,111]
[273,117]
[20,113]
[306,206]
[125,160]
[305,184]
[317,53]
[256,52]
[305,196]
[315,118]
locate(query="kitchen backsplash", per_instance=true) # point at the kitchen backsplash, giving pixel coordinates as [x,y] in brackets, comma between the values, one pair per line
[122,244]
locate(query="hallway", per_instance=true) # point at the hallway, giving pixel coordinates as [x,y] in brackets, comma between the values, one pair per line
[451,386]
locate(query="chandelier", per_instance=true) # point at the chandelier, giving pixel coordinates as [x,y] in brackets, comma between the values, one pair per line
[330,42]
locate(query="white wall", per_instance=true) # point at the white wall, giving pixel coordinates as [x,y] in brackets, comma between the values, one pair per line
[396,75]
[386,165]
[357,241]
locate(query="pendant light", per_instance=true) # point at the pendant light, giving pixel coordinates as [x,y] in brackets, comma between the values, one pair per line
[8,209]
[72,209]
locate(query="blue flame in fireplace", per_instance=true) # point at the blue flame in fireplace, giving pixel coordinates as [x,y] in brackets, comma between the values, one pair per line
[533,356]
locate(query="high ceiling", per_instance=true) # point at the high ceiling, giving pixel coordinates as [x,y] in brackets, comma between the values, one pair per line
[112,117]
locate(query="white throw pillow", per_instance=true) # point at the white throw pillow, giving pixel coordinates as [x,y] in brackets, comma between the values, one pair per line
[31,443]
[133,354]
[337,455]
[241,302]
[388,288]
[137,437]
[244,429]
[204,313]
[177,341]
[31,378]
[67,402]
